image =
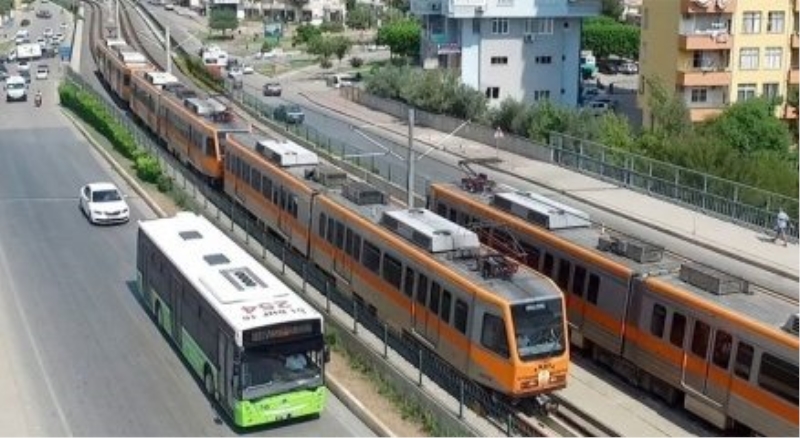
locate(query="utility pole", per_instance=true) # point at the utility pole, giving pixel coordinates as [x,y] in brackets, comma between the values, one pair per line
[168,45]
[411,158]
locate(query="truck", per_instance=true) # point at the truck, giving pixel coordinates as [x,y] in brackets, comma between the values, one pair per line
[28,51]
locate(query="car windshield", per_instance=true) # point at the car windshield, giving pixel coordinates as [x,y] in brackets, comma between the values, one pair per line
[42,69]
[15,86]
[265,371]
[293,109]
[539,329]
[106,196]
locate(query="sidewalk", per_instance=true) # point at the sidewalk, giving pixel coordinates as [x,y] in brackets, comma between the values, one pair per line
[724,237]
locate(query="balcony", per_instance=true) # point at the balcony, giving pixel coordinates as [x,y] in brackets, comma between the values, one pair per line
[794,75]
[702,114]
[703,77]
[438,44]
[426,7]
[708,6]
[706,40]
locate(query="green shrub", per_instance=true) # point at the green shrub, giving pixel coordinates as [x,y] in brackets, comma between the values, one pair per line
[147,168]
[356,62]
[325,63]
[165,183]
[331,27]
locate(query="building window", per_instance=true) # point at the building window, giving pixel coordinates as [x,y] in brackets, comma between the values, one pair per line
[746,91]
[540,26]
[493,92]
[544,59]
[775,20]
[499,60]
[772,58]
[748,58]
[770,90]
[751,22]
[699,95]
[500,26]
[541,94]
[476,26]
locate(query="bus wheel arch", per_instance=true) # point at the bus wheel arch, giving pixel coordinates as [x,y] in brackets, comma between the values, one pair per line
[208,381]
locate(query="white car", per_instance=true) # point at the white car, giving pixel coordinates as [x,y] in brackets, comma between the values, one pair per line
[103,203]
[248,70]
[23,66]
[64,25]
[48,33]
[234,73]
[169,7]
[42,72]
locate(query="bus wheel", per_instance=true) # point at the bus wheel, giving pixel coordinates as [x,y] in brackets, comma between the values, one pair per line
[208,382]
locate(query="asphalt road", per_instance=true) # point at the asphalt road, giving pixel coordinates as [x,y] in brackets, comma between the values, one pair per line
[80,356]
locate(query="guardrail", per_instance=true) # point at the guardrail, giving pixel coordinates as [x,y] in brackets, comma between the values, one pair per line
[725,199]
[464,391]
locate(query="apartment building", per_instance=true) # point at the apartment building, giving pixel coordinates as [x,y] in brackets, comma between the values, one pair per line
[296,11]
[523,49]
[716,52]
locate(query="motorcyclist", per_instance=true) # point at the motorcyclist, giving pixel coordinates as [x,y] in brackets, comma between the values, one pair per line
[38,98]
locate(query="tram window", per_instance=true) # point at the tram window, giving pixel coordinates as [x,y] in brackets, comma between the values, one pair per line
[330,230]
[275,194]
[356,246]
[658,320]
[677,330]
[340,237]
[323,221]
[126,80]
[700,338]
[723,342]
[594,288]
[531,255]
[578,280]
[210,146]
[460,317]
[441,209]
[453,215]
[266,187]
[408,285]
[422,289]
[348,241]
[563,274]
[493,335]
[744,361]
[444,312]
[778,377]
[255,179]
[392,270]
[433,302]
[547,269]
[372,256]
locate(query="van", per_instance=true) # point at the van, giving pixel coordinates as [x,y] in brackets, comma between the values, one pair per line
[16,89]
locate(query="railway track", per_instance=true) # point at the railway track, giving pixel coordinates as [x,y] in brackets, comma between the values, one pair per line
[566,420]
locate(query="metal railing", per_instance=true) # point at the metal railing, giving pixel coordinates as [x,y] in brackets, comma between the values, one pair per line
[742,204]
[225,213]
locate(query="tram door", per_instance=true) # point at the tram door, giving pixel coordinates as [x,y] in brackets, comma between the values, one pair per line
[703,374]
[343,241]
[419,305]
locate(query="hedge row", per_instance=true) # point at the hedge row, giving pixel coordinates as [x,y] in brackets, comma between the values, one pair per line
[94,112]
[197,69]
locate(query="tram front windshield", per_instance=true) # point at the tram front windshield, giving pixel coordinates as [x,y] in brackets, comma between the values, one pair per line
[539,329]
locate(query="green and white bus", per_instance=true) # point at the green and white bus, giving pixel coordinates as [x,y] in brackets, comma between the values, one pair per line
[257,346]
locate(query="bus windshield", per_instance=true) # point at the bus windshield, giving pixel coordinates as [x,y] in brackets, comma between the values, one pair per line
[539,329]
[268,372]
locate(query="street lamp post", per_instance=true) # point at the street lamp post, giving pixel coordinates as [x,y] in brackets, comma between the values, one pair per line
[411,159]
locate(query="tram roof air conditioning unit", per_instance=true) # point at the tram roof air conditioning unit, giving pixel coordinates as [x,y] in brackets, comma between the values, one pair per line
[792,324]
[711,280]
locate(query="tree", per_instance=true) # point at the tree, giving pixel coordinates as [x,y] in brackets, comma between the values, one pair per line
[402,37]
[305,33]
[612,9]
[792,96]
[360,18]
[749,126]
[341,45]
[223,19]
[605,36]
[669,112]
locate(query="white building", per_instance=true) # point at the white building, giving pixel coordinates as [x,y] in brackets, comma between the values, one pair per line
[524,49]
[303,11]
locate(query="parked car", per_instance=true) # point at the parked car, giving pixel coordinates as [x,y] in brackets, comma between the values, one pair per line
[169,6]
[103,203]
[629,68]
[3,72]
[291,114]
[272,89]
[25,22]
[248,70]
[600,106]
[23,66]
[234,72]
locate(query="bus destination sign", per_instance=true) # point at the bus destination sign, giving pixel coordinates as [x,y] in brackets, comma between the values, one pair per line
[280,333]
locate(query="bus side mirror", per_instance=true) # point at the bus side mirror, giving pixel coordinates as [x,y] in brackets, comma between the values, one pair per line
[326,354]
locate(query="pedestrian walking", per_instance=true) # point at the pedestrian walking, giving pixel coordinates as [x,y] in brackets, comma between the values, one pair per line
[781,222]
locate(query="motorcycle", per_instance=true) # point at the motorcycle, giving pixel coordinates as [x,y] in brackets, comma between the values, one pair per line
[38,100]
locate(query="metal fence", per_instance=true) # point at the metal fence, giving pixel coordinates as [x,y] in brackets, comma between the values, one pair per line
[725,199]
[225,213]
